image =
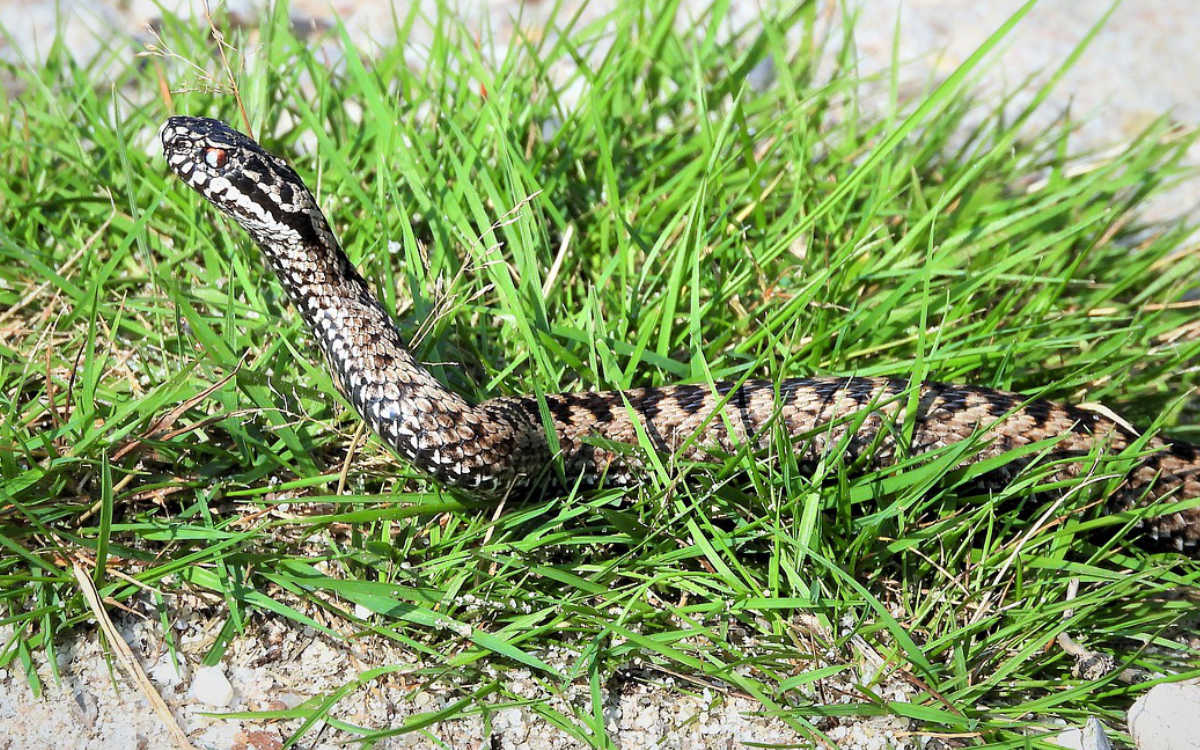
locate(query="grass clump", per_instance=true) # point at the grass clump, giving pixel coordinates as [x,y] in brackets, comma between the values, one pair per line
[686,205]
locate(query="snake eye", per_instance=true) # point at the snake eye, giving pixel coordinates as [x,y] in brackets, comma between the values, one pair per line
[215,157]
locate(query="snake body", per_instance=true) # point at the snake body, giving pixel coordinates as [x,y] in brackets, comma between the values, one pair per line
[501,445]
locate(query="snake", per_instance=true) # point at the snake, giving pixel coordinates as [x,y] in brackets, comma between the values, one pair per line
[523,443]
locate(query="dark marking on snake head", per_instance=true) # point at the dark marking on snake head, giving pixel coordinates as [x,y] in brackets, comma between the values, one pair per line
[243,181]
[254,166]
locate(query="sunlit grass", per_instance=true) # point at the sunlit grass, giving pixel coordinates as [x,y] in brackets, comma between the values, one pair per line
[650,218]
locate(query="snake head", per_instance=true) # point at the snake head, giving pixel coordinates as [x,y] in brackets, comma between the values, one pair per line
[258,190]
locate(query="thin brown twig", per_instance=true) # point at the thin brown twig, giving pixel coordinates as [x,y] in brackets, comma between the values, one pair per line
[1084,655]
[219,37]
[345,471]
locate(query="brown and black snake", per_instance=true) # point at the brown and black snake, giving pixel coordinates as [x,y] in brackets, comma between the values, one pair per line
[501,445]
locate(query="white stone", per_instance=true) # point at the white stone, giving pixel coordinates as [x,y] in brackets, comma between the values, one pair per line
[1166,718]
[1072,739]
[1091,737]
[212,687]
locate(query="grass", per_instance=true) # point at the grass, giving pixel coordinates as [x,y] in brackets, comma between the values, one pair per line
[648,219]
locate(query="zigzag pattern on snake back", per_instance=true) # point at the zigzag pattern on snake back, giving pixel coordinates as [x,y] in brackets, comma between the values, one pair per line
[500,445]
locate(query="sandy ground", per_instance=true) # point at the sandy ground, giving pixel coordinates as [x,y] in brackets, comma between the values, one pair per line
[1144,64]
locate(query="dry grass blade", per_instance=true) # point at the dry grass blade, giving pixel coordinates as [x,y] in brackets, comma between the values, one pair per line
[126,658]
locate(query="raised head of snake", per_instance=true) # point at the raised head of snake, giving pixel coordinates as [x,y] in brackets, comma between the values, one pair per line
[486,449]
[261,192]
[501,444]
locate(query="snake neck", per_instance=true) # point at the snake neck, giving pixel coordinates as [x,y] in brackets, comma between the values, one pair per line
[437,430]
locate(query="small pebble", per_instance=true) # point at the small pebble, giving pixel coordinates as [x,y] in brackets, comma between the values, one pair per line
[257,739]
[212,687]
[87,710]
[1166,718]
[1091,737]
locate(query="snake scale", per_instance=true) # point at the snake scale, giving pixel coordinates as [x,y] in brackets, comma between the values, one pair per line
[501,445]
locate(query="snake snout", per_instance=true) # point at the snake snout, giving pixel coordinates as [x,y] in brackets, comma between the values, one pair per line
[174,133]
[178,145]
